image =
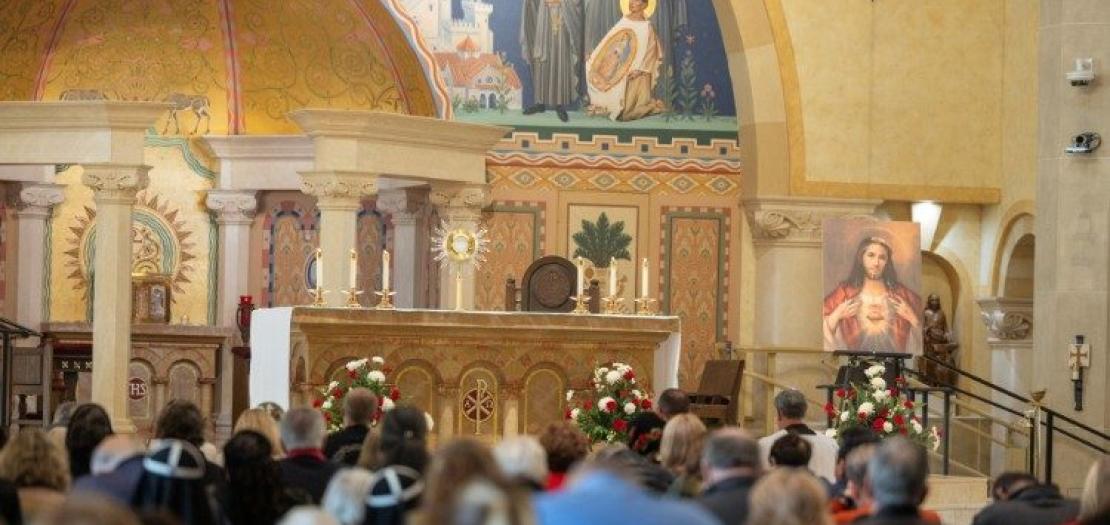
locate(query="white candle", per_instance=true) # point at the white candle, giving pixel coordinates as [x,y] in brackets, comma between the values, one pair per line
[385,269]
[612,277]
[644,278]
[581,275]
[459,290]
[319,271]
[353,277]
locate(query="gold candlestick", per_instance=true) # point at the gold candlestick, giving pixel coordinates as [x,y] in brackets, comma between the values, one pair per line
[386,303]
[611,304]
[581,306]
[645,306]
[318,296]
[352,297]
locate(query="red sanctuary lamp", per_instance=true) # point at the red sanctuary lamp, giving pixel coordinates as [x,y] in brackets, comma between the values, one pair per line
[243,321]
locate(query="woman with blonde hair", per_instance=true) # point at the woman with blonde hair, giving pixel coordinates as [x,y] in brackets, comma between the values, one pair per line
[38,470]
[1094,503]
[680,453]
[789,497]
[259,420]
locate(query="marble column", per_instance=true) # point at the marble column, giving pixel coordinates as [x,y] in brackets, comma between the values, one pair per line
[460,206]
[1010,339]
[35,204]
[787,296]
[234,211]
[114,187]
[408,209]
[338,195]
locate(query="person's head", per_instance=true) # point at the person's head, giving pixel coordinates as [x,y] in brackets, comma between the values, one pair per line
[680,449]
[565,445]
[897,473]
[88,426]
[180,419]
[933,302]
[115,449]
[851,439]
[454,465]
[788,497]
[523,460]
[1095,500]
[307,515]
[173,481]
[855,472]
[259,420]
[637,6]
[729,452]
[672,402]
[31,460]
[873,261]
[63,413]
[359,407]
[791,450]
[403,438]
[345,497]
[86,509]
[790,406]
[303,428]
[1009,483]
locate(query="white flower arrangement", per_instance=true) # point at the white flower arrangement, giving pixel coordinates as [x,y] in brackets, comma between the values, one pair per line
[377,360]
[376,376]
[603,404]
[866,409]
[605,412]
[630,408]
[387,404]
[878,383]
[882,408]
[570,395]
[612,377]
[875,371]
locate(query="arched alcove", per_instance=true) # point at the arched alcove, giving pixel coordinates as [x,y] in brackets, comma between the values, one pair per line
[1017,274]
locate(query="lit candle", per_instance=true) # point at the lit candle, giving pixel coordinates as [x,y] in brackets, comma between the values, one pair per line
[644,278]
[353,277]
[385,269]
[319,271]
[581,275]
[612,277]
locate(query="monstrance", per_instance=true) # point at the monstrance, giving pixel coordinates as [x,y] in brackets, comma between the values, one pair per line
[461,249]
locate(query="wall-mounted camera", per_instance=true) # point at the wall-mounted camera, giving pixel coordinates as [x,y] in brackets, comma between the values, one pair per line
[1084,72]
[1085,142]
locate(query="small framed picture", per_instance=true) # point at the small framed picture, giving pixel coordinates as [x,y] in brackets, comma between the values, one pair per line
[151,296]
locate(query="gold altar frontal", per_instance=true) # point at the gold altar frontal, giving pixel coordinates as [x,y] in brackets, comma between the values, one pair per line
[480,373]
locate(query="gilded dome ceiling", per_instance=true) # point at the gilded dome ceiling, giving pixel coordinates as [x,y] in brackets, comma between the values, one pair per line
[227,66]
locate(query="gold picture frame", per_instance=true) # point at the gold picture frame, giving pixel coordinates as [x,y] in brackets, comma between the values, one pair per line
[151,298]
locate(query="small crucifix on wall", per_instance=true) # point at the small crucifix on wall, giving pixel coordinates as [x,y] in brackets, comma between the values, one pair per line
[1079,357]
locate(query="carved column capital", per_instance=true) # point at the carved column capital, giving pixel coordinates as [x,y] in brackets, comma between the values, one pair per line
[460,201]
[232,207]
[405,204]
[1008,320]
[115,182]
[335,188]
[38,199]
[791,220]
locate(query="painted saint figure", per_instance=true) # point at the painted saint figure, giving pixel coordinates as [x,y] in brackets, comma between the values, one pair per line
[550,42]
[622,71]
[871,311]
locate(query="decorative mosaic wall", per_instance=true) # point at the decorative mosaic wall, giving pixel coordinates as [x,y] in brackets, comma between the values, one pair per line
[516,232]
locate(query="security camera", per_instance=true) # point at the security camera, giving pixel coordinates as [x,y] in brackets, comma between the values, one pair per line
[1085,142]
[1084,72]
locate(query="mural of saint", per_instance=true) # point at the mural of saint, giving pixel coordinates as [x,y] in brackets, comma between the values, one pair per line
[551,33]
[622,71]
[871,310]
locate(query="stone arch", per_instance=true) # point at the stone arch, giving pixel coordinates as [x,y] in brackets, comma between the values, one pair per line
[141,410]
[417,379]
[961,312]
[183,381]
[540,383]
[1013,264]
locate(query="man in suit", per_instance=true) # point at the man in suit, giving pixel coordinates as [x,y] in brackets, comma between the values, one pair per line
[305,467]
[730,464]
[791,408]
[359,407]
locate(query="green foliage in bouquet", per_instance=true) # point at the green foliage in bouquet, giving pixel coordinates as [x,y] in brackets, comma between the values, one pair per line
[880,407]
[606,411]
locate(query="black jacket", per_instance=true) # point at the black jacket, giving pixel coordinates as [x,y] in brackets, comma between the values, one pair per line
[1031,506]
[309,474]
[345,445]
[896,515]
[728,499]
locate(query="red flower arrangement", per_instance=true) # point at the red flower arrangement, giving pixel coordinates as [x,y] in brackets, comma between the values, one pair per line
[613,404]
[366,373]
[880,407]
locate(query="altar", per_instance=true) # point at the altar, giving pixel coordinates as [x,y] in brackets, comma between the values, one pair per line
[476,373]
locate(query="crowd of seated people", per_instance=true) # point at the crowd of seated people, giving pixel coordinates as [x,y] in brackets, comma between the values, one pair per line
[284,468]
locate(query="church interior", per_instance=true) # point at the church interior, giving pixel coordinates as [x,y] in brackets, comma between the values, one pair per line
[483,209]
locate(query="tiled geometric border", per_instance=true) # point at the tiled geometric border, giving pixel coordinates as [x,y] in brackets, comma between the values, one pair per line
[722,215]
[617,181]
[610,145]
